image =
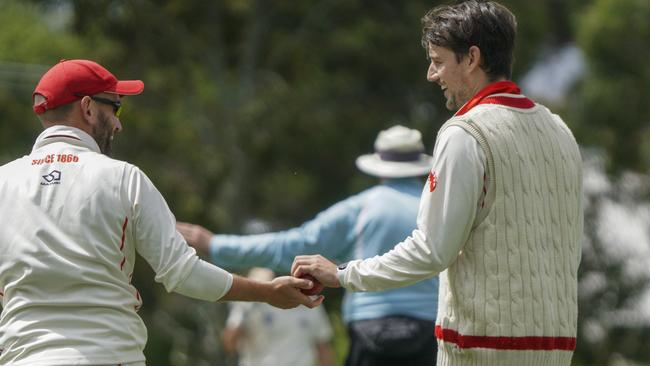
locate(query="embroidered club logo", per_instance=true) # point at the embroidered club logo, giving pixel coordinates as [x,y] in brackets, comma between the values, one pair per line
[54,177]
[433,181]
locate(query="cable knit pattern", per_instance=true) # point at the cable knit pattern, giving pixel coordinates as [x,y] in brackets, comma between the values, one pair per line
[516,277]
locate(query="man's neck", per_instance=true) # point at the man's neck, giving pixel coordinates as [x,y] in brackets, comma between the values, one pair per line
[482,81]
[70,122]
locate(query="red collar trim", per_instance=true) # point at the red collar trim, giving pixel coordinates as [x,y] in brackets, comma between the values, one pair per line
[486,96]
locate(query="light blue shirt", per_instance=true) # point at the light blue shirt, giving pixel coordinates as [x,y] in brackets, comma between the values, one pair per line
[364,225]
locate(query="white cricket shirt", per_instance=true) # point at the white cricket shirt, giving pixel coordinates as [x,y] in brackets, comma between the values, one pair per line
[279,337]
[72,221]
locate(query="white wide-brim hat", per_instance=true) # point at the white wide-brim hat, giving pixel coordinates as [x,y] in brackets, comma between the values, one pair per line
[398,154]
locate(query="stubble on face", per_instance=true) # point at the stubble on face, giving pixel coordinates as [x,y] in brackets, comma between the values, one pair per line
[456,99]
[103,133]
[448,73]
[451,102]
[455,85]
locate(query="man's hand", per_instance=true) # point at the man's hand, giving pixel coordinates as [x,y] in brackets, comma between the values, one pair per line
[317,266]
[196,236]
[286,293]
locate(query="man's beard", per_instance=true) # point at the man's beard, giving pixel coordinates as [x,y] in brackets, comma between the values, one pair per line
[457,100]
[102,133]
[459,96]
[452,104]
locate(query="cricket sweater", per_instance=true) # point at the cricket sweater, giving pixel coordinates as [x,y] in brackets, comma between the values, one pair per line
[509,294]
[510,298]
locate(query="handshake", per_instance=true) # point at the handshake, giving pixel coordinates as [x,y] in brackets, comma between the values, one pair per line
[317,269]
[309,275]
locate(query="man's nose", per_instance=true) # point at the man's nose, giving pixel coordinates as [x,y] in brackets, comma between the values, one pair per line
[432,73]
[118,125]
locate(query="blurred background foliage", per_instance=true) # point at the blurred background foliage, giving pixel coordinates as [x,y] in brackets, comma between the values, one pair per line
[257,109]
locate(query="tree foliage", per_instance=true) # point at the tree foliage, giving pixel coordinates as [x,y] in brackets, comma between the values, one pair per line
[614,111]
[27,49]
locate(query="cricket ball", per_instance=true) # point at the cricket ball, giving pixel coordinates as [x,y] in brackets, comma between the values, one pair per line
[315,289]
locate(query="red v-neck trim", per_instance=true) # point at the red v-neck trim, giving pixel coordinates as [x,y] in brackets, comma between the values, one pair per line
[523,103]
[487,96]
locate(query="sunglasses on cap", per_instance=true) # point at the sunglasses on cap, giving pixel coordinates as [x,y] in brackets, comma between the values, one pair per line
[117,105]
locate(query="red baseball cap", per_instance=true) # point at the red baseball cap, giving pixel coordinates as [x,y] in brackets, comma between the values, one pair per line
[70,80]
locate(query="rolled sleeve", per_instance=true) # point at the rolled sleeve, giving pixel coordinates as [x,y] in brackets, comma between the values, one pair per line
[175,263]
[206,282]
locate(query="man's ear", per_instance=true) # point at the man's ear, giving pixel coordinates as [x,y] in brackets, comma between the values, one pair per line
[474,58]
[86,110]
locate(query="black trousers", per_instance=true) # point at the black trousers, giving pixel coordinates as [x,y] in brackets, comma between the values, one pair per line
[391,341]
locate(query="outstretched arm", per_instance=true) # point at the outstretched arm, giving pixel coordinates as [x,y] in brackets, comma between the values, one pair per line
[177,266]
[449,203]
[331,233]
[282,292]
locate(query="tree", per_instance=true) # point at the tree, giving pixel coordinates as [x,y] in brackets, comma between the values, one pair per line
[614,110]
[27,50]
[613,276]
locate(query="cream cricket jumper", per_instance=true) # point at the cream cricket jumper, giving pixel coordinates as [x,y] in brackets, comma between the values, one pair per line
[514,285]
[509,294]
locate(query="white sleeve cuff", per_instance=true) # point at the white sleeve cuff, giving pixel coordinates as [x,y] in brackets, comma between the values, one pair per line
[341,276]
[206,282]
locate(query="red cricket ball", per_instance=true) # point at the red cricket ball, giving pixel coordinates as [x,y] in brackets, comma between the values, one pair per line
[316,289]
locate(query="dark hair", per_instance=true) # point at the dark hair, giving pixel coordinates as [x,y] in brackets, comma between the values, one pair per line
[486,24]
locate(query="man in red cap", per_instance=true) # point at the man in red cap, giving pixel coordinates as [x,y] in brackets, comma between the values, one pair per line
[72,222]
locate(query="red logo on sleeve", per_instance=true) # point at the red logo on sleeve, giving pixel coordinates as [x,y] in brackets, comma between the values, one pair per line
[433,181]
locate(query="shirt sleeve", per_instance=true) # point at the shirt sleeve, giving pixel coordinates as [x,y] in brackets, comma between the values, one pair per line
[331,233]
[448,206]
[175,263]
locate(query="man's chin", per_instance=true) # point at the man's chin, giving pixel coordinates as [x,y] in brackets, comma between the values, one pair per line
[451,106]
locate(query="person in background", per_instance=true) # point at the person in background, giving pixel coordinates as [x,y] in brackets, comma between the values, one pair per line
[385,328]
[501,214]
[73,220]
[262,335]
